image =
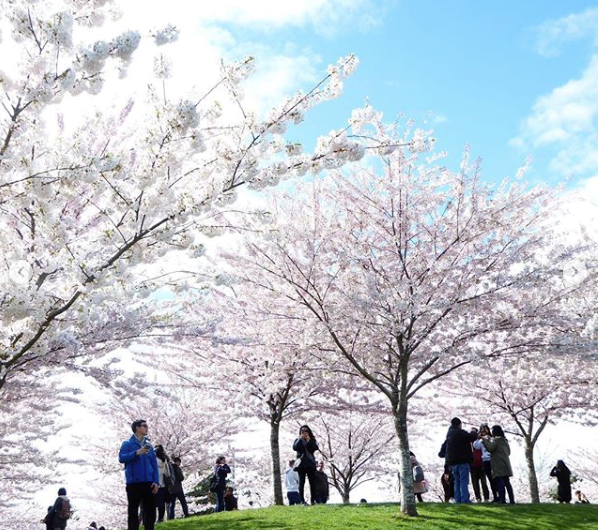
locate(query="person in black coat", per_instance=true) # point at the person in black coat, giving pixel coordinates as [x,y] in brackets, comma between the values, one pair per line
[58,523]
[231,502]
[306,446]
[221,469]
[47,520]
[322,487]
[563,475]
[459,456]
[176,489]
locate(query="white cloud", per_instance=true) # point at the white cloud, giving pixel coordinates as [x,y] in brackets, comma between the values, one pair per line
[552,34]
[327,17]
[567,120]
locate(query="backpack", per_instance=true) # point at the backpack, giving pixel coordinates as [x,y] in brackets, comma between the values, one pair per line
[213,483]
[418,474]
[64,511]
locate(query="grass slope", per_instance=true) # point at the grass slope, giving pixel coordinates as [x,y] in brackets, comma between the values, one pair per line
[386,517]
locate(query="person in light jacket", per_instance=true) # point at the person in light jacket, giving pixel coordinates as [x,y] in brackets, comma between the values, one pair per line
[419,486]
[291,480]
[164,476]
[498,447]
[486,458]
[306,446]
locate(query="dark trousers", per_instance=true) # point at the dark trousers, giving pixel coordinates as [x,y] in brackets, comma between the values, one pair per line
[162,499]
[219,499]
[294,497]
[311,475]
[488,473]
[141,492]
[477,476]
[502,484]
[181,497]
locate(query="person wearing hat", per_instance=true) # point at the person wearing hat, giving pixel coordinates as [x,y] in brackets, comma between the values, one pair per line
[61,510]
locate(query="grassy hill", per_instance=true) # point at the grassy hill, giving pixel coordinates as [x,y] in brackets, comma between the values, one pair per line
[387,517]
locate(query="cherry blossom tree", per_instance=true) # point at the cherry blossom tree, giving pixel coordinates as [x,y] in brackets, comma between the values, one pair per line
[529,393]
[356,441]
[84,206]
[408,271]
[186,422]
[27,421]
[87,201]
[253,361]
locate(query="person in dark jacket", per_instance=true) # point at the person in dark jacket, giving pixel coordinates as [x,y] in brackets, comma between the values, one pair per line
[58,522]
[221,469]
[306,446]
[141,474]
[322,487]
[47,520]
[230,501]
[459,456]
[448,484]
[563,476]
[176,490]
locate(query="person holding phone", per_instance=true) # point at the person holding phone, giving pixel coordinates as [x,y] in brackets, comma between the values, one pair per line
[306,446]
[141,473]
[221,469]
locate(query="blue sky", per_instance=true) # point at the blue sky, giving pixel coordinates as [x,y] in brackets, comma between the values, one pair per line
[479,67]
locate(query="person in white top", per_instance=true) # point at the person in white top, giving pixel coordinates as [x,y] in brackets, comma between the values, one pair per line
[163,497]
[486,457]
[291,479]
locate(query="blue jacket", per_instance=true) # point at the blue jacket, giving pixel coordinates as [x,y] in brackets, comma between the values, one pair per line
[138,468]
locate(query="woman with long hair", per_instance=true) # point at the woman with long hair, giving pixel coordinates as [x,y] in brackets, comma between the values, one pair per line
[486,458]
[498,446]
[305,447]
[163,497]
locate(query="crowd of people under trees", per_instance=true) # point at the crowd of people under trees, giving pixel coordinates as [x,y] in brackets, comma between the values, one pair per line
[484,455]
[154,481]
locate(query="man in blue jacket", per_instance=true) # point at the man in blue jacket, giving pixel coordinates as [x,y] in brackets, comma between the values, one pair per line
[141,473]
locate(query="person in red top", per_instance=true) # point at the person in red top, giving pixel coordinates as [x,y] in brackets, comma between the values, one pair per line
[477,473]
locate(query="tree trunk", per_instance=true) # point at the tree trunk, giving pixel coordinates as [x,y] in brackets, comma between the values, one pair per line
[407,495]
[275,454]
[345,497]
[531,472]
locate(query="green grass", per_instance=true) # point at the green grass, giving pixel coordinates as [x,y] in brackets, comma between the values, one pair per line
[432,516]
